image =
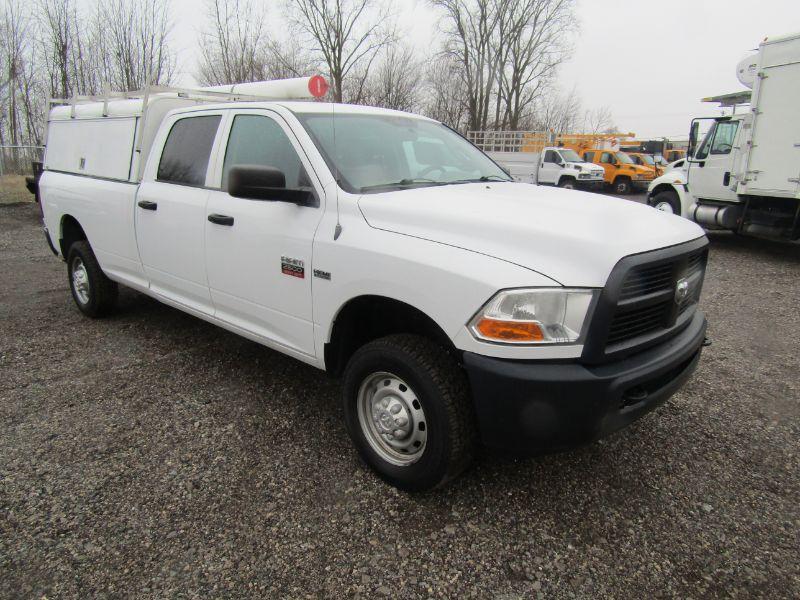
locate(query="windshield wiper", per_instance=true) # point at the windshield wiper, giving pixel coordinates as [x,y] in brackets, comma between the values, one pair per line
[403,183]
[480,179]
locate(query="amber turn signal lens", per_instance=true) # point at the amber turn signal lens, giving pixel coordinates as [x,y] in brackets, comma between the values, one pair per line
[509,331]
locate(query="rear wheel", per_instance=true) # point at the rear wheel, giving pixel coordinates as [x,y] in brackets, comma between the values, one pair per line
[408,411]
[666,201]
[622,185]
[93,292]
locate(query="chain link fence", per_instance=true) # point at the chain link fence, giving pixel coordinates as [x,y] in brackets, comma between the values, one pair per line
[17,160]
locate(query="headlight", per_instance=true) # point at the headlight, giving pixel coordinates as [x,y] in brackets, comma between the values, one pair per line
[533,316]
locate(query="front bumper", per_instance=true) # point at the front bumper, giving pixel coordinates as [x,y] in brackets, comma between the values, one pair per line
[589,184]
[531,407]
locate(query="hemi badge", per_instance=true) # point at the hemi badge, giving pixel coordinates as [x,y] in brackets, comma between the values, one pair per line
[322,274]
[293,267]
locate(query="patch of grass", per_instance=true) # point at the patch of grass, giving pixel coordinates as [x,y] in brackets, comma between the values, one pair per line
[12,189]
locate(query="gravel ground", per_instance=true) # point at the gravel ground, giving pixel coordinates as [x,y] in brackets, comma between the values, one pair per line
[153,455]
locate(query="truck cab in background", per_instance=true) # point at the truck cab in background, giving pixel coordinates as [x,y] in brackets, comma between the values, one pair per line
[565,168]
[621,173]
[561,167]
[744,175]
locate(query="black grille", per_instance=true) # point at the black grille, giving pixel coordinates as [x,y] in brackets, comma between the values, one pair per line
[648,304]
[637,321]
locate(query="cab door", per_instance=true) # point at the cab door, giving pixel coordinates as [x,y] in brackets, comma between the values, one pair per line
[258,253]
[710,169]
[549,169]
[170,211]
[609,164]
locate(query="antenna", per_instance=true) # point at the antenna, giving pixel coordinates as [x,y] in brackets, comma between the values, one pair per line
[338,230]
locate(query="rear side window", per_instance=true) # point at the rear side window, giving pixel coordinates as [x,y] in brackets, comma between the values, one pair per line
[259,140]
[188,148]
[588,156]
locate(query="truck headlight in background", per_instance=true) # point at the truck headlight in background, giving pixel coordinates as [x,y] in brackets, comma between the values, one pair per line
[533,316]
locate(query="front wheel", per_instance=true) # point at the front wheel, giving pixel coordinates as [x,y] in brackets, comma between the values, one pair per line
[567,184]
[666,201]
[407,410]
[93,292]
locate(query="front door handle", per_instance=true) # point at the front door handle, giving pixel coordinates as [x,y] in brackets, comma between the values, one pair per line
[147,205]
[220,219]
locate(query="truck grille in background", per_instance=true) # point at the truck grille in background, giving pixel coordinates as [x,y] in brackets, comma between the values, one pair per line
[647,301]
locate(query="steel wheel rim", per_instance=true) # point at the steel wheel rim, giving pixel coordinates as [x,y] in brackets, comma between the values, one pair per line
[392,419]
[664,207]
[80,281]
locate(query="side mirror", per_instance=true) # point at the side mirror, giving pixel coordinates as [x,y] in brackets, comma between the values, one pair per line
[693,133]
[255,182]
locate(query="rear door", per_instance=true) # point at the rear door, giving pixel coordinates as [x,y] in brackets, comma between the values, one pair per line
[171,210]
[258,263]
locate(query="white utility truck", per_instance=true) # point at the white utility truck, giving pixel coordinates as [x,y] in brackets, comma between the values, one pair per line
[744,176]
[459,306]
[562,167]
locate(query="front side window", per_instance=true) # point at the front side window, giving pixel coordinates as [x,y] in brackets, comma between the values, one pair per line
[588,156]
[187,150]
[259,140]
[380,152]
[550,157]
[705,145]
[723,139]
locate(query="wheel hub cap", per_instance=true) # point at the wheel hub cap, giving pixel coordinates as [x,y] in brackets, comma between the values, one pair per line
[80,281]
[392,419]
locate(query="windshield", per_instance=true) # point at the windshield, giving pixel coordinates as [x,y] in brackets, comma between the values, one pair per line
[373,153]
[624,158]
[570,155]
[648,160]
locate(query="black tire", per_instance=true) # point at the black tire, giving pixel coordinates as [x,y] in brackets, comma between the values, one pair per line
[622,185]
[568,183]
[666,198]
[101,295]
[440,385]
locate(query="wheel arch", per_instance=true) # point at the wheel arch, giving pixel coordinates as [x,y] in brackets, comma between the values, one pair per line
[367,317]
[69,232]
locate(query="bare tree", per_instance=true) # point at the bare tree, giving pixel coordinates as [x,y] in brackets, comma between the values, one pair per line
[288,59]
[232,49]
[19,123]
[507,50]
[556,112]
[63,48]
[598,120]
[396,81]
[132,40]
[445,92]
[347,35]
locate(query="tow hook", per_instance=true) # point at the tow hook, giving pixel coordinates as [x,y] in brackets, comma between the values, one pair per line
[706,342]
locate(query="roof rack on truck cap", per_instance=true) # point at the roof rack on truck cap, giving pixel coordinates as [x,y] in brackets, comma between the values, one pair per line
[127,122]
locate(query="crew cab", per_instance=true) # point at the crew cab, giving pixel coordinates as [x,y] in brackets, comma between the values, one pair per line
[621,173]
[457,306]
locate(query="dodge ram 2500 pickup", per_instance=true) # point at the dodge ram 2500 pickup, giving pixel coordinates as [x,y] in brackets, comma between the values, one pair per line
[458,307]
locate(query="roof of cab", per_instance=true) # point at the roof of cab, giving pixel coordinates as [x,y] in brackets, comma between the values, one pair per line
[305,107]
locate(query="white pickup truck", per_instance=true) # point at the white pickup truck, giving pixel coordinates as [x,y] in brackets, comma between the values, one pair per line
[460,307]
[561,167]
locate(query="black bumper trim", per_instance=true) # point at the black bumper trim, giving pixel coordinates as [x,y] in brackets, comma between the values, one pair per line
[531,407]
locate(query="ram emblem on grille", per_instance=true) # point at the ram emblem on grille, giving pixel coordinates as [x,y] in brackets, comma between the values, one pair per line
[681,290]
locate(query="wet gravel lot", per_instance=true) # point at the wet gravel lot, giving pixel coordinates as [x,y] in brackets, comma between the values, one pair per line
[153,455]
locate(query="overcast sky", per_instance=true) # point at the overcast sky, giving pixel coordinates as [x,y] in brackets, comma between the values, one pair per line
[649,61]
